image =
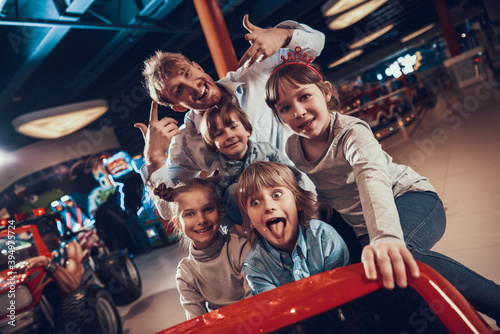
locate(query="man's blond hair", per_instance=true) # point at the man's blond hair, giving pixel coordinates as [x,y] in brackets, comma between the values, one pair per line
[158,69]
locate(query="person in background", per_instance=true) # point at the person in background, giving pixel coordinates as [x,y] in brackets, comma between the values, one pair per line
[65,266]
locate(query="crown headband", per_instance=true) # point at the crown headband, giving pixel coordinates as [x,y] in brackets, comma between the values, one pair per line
[297,59]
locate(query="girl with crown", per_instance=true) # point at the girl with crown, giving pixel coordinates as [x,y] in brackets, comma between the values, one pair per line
[395,212]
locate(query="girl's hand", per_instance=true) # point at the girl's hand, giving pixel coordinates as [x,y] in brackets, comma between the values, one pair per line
[391,260]
[157,137]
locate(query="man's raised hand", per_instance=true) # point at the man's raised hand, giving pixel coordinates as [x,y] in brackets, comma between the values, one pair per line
[264,42]
[157,136]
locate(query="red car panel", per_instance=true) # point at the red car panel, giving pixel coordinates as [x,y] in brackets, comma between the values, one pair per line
[295,302]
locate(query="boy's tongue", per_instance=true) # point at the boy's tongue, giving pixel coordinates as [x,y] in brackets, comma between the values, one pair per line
[277,228]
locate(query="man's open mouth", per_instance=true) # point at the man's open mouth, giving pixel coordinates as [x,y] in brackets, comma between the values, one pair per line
[277,226]
[203,91]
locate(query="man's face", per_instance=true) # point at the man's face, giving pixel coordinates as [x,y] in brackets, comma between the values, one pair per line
[192,89]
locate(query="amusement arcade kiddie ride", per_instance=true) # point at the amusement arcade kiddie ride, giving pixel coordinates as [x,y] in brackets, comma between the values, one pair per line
[32,300]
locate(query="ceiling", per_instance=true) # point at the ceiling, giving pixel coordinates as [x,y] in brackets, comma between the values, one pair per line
[53,53]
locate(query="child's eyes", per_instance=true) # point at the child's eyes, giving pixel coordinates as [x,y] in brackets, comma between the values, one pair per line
[188,214]
[277,194]
[284,109]
[234,126]
[305,97]
[210,209]
[217,134]
[186,74]
[254,202]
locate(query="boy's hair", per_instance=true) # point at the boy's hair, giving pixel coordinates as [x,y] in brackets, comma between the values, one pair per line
[223,112]
[170,194]
[272,174]
[158,69]
[292,75]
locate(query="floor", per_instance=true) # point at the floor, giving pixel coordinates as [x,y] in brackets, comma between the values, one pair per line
[456,145]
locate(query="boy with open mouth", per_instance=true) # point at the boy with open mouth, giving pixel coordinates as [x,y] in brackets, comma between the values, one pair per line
[288,243]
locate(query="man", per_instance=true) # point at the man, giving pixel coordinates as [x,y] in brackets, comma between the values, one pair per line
[173,80]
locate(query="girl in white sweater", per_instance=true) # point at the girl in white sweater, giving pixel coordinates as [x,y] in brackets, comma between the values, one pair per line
[212,275]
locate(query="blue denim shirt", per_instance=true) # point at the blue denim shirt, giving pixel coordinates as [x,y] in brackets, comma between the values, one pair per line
[319,248]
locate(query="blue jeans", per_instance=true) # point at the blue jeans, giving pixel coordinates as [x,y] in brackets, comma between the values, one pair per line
[423,221]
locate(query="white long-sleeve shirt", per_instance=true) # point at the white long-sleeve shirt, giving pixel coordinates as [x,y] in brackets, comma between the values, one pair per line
[359,179]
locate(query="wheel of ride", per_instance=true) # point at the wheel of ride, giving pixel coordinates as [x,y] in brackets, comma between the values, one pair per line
[121,277]
[90,310]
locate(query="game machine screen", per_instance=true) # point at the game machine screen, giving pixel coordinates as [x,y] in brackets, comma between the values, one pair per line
[73,215]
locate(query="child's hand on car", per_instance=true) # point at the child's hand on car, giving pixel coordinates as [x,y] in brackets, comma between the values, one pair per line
[391,260]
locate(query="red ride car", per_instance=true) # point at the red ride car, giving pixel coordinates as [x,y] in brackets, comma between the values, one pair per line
[342,300]
[31,300]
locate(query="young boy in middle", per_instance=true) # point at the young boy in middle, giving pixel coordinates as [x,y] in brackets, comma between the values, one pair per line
[225,129]
[288,243]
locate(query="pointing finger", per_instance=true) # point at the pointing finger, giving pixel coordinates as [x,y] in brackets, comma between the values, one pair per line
[246,58]
[153,115]
[246,23]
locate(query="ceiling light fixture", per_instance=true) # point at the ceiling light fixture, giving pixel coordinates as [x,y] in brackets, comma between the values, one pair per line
[334,7]
[60,121]
[371,37]
[355,14]
[416,33]
[347,57]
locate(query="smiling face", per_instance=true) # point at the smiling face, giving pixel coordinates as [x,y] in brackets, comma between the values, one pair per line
[232,140]
[274,214]
[303,108]
[198,216]
[192,89]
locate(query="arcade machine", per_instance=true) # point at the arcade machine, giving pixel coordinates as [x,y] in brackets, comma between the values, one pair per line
[58,201]
[135,200]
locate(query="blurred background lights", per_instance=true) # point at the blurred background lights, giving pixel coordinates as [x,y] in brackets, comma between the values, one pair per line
[5,158]
[393,70]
